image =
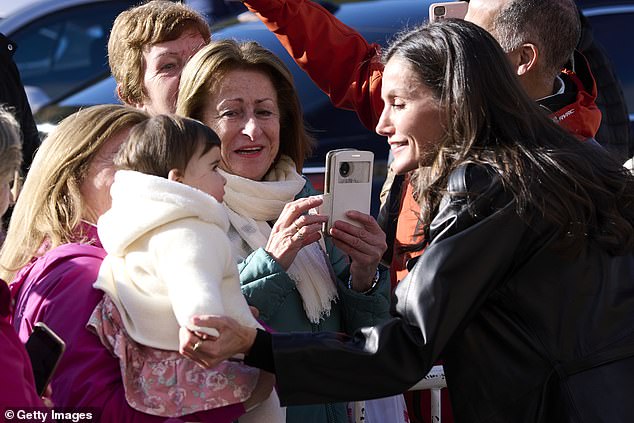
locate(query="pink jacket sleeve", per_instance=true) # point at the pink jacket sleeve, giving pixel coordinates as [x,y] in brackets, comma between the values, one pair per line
[340,61]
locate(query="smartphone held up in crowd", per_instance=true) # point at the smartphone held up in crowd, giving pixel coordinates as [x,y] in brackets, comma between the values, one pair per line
[45,350]
[348,184]
[449,9]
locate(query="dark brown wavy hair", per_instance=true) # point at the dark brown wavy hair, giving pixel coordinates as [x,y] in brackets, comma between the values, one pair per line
[574,184]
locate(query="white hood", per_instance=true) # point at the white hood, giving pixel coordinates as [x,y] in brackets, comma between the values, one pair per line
[153,202]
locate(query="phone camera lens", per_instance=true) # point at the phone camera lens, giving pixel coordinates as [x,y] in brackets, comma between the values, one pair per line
[344,169]
[439,11]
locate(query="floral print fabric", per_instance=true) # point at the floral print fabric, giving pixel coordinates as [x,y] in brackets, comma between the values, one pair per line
[165,383]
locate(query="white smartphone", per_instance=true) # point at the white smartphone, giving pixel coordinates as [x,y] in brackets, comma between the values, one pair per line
[45,350]
[449,9]
[347,184]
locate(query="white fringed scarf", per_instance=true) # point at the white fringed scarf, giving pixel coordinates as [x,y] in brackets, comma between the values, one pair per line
[251,204]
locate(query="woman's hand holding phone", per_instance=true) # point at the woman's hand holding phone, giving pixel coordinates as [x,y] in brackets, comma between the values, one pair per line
[365,243]
[294,229]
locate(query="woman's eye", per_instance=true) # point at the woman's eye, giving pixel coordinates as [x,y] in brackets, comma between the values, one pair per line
[229,113]
[398,105]
[168,67]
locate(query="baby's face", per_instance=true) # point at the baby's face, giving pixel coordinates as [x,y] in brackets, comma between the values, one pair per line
[202,173]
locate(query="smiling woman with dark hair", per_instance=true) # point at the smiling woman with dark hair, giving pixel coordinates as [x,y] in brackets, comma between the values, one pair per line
[524,287]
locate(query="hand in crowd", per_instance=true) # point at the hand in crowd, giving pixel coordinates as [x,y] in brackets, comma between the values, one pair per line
[209,351]
[294,229]
[46,397]
[365,245]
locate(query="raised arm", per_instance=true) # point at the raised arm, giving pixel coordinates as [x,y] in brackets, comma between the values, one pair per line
[340,61]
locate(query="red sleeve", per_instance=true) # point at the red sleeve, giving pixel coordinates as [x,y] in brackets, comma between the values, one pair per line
[335,56]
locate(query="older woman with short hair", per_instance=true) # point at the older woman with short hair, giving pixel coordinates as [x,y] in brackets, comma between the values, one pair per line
[148,47]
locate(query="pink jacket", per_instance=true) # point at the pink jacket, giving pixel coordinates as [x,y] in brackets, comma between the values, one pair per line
[57,289]
[18,386]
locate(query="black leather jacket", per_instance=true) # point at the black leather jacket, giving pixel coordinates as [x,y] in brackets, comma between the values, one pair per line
[526,333]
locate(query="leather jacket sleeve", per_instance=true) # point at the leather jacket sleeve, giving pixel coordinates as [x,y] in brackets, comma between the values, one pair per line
[474,239]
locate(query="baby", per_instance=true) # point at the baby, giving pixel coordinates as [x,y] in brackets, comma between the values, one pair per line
[169,259]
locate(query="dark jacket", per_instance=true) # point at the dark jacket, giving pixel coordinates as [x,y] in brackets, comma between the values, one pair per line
[614,133]
[12,94]
[527,334]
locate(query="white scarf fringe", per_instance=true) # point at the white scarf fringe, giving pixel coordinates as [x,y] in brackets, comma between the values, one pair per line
[251,204]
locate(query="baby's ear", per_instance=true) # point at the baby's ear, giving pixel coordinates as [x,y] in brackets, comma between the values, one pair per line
[175,175]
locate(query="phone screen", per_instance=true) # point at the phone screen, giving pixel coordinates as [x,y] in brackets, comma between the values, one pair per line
[45,349]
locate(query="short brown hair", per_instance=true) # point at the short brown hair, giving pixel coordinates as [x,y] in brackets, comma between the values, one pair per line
[553,25]
[163,143]
[154,22]
[206,70]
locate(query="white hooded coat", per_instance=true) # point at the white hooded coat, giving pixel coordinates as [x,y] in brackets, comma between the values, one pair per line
[168,259]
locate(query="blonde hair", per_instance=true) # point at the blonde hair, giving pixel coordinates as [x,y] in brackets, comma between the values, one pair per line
[50,206]
[204,73]
[154,22]
[10,145]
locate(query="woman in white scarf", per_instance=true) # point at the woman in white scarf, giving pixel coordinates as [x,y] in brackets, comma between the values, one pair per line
[297,280]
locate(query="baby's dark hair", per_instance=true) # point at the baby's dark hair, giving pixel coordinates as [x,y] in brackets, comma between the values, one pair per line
[164,142]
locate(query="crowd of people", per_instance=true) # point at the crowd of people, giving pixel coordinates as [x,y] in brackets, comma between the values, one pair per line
[172,242]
